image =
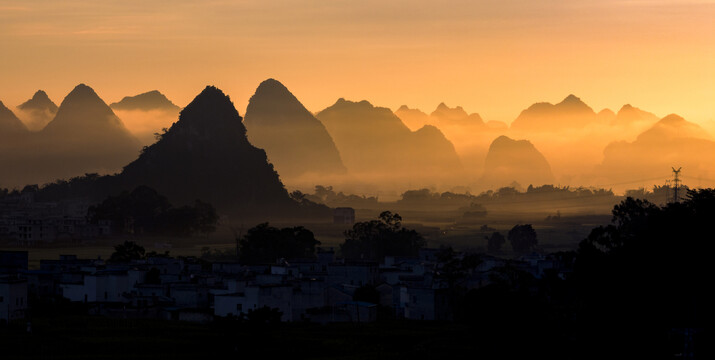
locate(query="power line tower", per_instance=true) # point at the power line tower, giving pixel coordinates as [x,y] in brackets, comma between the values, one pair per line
[676,183]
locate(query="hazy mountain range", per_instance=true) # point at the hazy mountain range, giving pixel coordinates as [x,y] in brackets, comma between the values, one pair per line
[38,111]
[152,100]
[373,140]
[348,143]
[296,142]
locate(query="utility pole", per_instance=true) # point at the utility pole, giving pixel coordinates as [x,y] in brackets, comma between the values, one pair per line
[676,183]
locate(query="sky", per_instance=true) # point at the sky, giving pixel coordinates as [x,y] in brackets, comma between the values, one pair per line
[493,57]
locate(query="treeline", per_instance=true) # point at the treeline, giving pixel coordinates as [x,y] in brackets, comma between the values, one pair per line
[326,195]
[637,287]
[144,211]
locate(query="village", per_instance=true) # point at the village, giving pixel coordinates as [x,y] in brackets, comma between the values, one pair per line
[320,290]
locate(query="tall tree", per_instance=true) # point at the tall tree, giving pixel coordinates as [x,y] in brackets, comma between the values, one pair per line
[266,244]
[522,238]
[375,239]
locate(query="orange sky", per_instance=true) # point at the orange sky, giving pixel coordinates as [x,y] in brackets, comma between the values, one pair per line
[494,57]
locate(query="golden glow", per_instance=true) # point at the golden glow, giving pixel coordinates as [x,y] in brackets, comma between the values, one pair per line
[491,57]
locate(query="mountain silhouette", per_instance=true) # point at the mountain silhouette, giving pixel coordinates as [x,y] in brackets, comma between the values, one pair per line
[39,101]
[294,140]
[414,119]
[152,100]
[10,125]
[85,123]
[628,115]
[84,137]
[38,111]
[444,116]
[569,113]
[374,139]
[511,160]
[672,141]
[206,155]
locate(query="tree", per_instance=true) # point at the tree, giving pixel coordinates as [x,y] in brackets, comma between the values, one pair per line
[495,241]
[647,270]
[266,244]
[126,252]
[375,239]
[144,210]
[522,238]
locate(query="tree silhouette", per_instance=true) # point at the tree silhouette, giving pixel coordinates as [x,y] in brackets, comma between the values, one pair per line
[375,239]
[522,238]
[266,244]
[126,252]
[495,241]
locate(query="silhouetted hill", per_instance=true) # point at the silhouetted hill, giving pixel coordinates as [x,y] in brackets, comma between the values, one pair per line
[206,155]
[84,137]
[569,113]
[374,139]
[152,100]
[10,125]
[439,150]
[412,118]
[606,116]
[38,111]
[630,114]
[294,140]
[40,101]
[446,116]
[511,160]
[86,128]
[672,141]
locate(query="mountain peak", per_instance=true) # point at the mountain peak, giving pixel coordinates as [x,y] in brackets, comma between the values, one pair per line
[403,108]
[40,101]
[82,91]
[271,83]
[515,160]
[208,150]
[211,106]
[151,100]
[271,93]
[442,106]
[40,95]
[672,120]
[572,100]
[294,140]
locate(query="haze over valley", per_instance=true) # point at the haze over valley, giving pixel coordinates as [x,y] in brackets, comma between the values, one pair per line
[363,149]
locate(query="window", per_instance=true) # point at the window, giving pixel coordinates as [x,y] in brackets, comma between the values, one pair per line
[2,299]
[239,307]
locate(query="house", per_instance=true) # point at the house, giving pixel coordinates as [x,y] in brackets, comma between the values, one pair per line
[101,286]
[12,262]
[254,297]
[355,311]
[191,296]
[13,298]
[422,303]
[356,273]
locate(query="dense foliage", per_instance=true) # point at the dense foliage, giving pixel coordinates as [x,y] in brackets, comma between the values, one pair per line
[375,239]
[144,211]
[266,244]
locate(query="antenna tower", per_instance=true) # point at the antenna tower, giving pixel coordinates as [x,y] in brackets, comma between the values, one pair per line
[676,183]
